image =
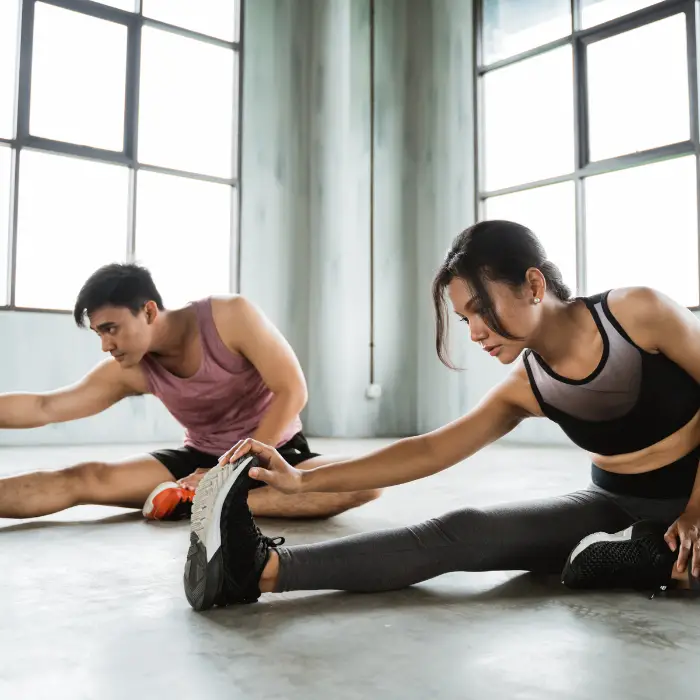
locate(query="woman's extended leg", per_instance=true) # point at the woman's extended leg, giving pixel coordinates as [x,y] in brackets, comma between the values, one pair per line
[231,561]
[533,536]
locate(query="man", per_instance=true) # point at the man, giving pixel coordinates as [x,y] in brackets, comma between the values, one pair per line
[218,365]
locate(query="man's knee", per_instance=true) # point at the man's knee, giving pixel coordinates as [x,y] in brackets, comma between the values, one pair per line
[85,481]
[368,495]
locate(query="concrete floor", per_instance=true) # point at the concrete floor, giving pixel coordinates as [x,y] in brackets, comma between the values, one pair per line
[92,607]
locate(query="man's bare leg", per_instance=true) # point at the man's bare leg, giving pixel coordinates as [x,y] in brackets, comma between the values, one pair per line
[126,483]
[268,503]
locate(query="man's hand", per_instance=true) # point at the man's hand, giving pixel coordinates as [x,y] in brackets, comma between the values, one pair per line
[276,472]
[192,481]
[687,530]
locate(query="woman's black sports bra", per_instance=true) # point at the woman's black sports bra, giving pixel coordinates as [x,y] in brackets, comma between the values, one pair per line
[632,400]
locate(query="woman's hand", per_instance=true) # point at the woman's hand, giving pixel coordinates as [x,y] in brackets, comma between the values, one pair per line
[687,530]
[275,471]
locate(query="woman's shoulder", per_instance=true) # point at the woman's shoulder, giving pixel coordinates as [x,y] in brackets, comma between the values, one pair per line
[640,312]
[638,303]
[639,298]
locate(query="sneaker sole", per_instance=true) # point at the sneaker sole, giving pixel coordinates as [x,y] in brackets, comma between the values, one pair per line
[204,568]
[160,503]
[586,542]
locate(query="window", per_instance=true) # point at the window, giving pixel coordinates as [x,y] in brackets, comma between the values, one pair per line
[183,235]
[215,17]
[118,141]
[642,229]
[128,5]
[81,223]
[5,191]
[74,99]
[536,142]
[550,212]
[186,107]
[589,129]
[9,35]
[598,11]
[513,26]
[638,89]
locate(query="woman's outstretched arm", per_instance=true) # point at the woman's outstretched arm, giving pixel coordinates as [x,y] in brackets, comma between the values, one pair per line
[407,459]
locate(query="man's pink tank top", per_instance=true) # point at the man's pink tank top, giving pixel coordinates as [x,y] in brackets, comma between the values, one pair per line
[223,402]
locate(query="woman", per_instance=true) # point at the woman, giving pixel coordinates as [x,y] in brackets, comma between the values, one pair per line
[618,372]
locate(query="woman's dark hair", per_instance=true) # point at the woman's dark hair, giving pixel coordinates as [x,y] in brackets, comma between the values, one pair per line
[119,284]
[499,251]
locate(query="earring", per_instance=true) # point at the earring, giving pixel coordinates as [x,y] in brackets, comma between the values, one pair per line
[536,300]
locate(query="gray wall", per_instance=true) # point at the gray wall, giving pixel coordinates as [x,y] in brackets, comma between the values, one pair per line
[306,191]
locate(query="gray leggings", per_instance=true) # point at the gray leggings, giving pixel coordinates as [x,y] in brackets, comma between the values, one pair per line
[532,536]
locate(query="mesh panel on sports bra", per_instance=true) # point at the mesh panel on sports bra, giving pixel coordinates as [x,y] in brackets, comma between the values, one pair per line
[613,389]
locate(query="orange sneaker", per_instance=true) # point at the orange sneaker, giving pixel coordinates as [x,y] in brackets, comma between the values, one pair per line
[169,501]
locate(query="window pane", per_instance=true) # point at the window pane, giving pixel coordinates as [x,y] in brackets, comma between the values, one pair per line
[78,78]
[186,104]
[72,212]
[128,5]
[513,26]
[550,213]
[638,89]
[5,190]
[642,229]
[598,11]
[529,120]
[183,235]
[9,34]
[217,18]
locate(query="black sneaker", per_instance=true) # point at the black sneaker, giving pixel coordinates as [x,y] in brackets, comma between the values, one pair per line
[227,550]
[637,558]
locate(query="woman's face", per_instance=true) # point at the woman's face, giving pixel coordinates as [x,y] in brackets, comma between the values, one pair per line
[514,307]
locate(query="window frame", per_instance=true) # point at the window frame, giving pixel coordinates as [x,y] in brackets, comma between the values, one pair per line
[579,39]
[134,21]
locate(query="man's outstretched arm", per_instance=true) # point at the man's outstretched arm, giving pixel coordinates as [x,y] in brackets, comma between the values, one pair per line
[99,389]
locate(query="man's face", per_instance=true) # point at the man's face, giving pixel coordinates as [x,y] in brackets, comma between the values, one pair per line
[125,336]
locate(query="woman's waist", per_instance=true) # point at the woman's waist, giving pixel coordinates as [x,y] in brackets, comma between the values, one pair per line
[668,451]
[673,480]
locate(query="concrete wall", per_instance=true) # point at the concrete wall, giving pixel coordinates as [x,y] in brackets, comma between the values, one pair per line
[275,239]
[423,196]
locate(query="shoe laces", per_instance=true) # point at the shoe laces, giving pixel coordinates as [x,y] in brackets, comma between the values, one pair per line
[253,530]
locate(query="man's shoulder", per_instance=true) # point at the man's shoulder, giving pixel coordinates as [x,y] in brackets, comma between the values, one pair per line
[224,300]
[229,306]
[234,316]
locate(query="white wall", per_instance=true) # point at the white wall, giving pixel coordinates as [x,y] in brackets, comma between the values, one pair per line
[41,352]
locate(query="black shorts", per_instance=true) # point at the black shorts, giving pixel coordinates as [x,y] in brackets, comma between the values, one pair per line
[183,461]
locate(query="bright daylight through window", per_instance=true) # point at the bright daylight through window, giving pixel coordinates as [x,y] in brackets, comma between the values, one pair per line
[128,155]
[590,133]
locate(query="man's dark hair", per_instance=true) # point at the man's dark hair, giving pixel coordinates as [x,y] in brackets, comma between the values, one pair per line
[118,284]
